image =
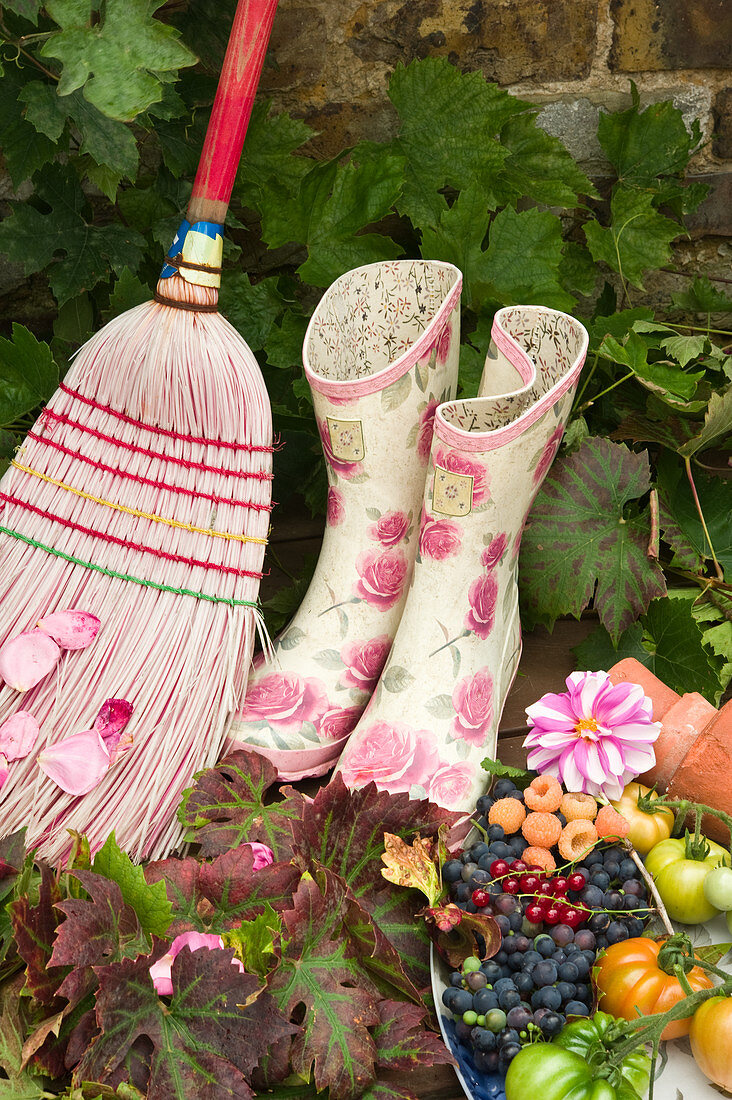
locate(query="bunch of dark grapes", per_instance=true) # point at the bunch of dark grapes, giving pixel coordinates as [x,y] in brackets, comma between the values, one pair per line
[552,927]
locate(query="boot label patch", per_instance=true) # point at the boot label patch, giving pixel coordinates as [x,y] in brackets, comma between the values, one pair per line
[346,439]
[452,494]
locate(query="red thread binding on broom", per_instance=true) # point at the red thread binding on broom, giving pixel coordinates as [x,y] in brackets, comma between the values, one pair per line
[257,475]
[148,480]
[163,431]
[129,545]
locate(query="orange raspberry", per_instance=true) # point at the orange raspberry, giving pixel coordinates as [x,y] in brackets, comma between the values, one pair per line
[539,857]
[542,830]
[610,824]
[576,807]
[577,839]
[544,793]
[509,813]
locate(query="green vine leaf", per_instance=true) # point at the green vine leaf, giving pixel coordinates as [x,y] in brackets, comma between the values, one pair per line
[25,150]
[540,166]
[34,239]
[680,523]
[583,542]
[638,238]
[717,424]
[668,641]
[117,61]
[643,145]
[702,297]
[449,123]
[251,308]
[28,374]
[523,259]
[659,377]
[148,900]
[269,176]
[360,193]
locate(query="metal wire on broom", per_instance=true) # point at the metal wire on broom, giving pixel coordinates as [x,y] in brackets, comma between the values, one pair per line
[142,495]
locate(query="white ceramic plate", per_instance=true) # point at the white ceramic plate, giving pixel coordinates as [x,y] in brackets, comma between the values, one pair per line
[677,1074]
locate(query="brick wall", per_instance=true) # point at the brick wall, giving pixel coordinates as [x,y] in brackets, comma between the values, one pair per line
[572,57]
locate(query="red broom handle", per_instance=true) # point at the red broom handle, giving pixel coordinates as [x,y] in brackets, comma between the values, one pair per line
[231,110]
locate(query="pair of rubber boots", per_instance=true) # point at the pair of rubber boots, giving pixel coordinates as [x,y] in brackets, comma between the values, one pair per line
[403,651]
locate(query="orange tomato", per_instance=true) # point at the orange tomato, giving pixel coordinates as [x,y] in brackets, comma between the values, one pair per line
[630,982]
[711,1036]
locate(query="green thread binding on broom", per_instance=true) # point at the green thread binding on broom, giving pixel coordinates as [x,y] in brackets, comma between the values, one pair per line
[125,576]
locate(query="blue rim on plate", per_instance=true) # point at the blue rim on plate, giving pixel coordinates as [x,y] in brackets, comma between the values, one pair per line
[476,1084]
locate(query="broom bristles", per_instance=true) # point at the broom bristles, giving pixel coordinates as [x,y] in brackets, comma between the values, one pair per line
[182,660]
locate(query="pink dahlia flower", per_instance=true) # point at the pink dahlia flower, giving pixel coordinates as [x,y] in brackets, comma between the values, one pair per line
[595,737]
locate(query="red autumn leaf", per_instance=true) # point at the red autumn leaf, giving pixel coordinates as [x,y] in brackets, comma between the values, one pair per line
[228,806]
[402,1041]
[98,930]
[203,1042]
[467,934]
[34,928]
[213,897]
[321,971]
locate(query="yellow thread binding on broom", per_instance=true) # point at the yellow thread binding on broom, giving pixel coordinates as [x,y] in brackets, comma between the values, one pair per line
[135,511]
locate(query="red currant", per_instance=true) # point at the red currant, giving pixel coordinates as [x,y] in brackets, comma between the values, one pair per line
[511,885]
[519,866]
[544,902]
[529,884]
[573,917]
[559,886]
[480,898]
[545,888]
[552,915]
[499,867]
[576,881]
[534,913]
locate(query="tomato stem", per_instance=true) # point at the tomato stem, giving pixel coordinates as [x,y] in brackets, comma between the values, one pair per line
[682,807]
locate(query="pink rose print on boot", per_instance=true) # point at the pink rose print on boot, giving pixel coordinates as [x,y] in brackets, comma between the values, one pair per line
[472,698]
[482,596]
[336,508]
[390,528]
[457,463]
[450,785]
[341,466]
[285,700]
[364,662]
[337,723]
[392,755]
[382,576]
[547,455]
[425,431]
[493,553]
[438,538]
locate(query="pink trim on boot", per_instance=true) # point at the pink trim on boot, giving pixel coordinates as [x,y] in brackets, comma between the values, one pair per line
[295,764]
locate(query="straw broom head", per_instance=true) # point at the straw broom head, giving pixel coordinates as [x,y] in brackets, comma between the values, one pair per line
[142,495]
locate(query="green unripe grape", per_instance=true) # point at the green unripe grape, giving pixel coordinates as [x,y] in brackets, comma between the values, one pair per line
[481,1021]
[470,1018]
[471,963]
[495,1020]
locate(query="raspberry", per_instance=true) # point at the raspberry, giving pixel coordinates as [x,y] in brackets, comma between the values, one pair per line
[540,857]
[610,824]
[544,793]
[542,830]
[577,839]
[579,807]
[509,813]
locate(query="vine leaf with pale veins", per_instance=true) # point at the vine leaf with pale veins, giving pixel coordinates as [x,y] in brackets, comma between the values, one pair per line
[227,807]
[585,539]
[203,1044]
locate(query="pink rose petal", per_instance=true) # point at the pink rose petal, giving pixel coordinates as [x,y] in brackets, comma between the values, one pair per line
[18,735]
[4,769]
[160,972]
[27,658]
[71,629]
[263,855]
[77,763]
[111,720]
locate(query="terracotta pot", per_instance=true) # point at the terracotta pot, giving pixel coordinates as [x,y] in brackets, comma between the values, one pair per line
[705,773]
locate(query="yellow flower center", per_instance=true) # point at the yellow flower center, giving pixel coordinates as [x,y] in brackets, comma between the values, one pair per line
[586,724]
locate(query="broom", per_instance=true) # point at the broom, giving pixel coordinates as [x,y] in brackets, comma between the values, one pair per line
[142,495]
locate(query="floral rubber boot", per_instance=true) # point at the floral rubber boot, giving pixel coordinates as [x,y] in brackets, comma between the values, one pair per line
[381,354]
[435,712]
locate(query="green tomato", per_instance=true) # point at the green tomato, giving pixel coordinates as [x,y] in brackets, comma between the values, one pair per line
[547,1071]
[680,881]
[718,888]
[587,1038]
